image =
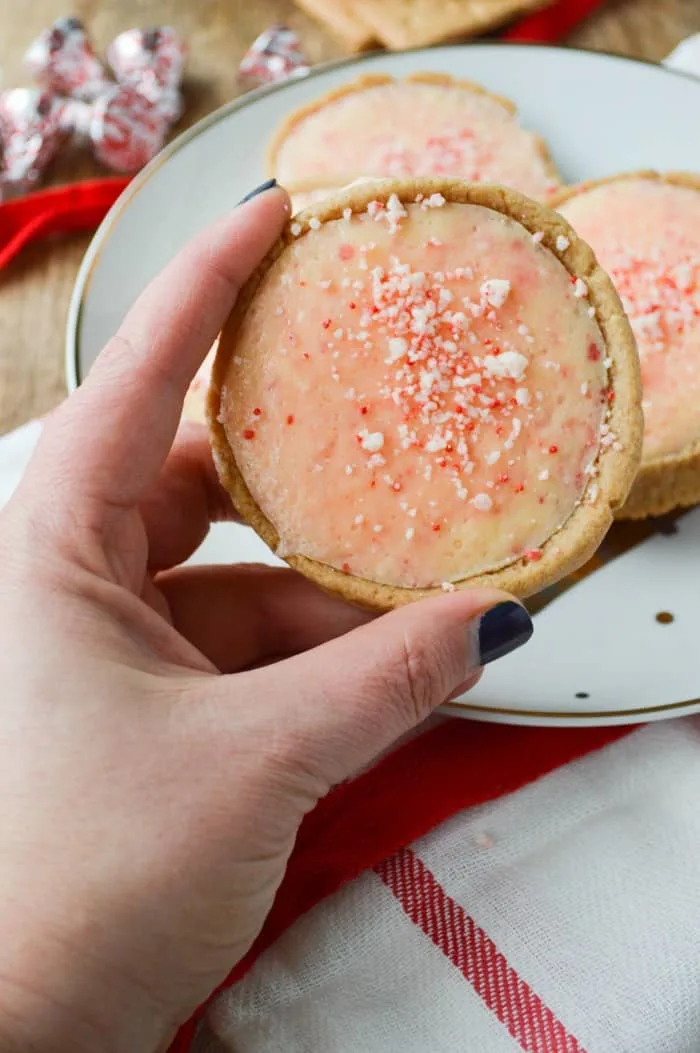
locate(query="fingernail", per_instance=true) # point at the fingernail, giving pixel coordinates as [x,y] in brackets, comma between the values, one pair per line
[267,185]
[503,629]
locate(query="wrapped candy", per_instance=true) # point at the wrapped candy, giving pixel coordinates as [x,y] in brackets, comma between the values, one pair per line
[275,55]
[32,131]
[62,61]
[125,120]
[152,61]
[124,128]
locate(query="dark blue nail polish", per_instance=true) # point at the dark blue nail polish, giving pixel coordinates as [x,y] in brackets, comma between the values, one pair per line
[503,629]
[267,185]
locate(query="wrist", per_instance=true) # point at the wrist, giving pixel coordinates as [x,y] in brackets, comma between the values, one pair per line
[55,997]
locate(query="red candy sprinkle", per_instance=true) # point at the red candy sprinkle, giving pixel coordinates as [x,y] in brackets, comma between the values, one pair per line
[519,488]
[290,419]
[346,252]
[248,433]
[554,449]
[257,412]
[533,554]
[593,353]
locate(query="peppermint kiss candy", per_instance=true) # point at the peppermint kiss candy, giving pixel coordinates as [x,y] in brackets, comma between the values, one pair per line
[125,128]
[32,131]
[62,60]
[275,55]
[152,61]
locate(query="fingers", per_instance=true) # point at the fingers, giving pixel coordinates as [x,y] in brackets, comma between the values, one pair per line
[120,424]
[336,708]
[241,616]
[184,500]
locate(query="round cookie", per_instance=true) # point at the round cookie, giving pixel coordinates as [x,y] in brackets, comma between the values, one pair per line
[645,230]
[427,384]
[424,125]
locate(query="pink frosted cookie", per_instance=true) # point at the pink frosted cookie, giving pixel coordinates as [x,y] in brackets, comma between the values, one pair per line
[427,384]
[425,125]
[645,230]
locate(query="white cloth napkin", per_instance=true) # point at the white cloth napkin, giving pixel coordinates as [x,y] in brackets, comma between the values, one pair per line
[564,918]
[560,919]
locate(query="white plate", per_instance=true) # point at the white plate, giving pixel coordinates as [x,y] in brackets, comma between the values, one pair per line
[600,114]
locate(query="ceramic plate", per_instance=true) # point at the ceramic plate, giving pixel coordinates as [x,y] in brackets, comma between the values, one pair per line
[601,653]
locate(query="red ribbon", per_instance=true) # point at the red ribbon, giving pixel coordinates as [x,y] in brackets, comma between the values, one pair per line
[60,210]
[82,206]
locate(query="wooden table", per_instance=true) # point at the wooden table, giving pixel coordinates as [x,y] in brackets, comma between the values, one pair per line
[35,290]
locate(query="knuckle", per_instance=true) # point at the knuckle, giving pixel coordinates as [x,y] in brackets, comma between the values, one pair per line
[418,680]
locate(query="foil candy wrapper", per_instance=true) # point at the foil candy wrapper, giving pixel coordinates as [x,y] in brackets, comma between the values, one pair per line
[32,131]
[125,120]
[274,56]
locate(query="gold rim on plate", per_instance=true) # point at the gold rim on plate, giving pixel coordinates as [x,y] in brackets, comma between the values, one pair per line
[100,239]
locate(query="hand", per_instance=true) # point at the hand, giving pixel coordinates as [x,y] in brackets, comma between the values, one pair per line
[165,729]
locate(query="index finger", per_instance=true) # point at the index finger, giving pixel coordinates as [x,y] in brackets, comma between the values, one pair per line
[119,426]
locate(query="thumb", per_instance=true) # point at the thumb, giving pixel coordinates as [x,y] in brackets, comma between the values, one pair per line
[339,706]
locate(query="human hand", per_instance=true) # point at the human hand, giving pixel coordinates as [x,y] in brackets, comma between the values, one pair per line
[165,729]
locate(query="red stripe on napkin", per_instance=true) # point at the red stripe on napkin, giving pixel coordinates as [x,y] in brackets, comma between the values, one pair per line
[455,766]
[464,943]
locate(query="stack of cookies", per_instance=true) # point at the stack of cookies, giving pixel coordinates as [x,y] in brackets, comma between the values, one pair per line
[451,368]
[397,24]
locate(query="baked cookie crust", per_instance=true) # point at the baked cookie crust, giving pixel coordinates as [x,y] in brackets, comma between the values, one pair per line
[617,462]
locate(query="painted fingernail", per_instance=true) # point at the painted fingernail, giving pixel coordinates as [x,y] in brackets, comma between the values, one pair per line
[503,629]
[267,185]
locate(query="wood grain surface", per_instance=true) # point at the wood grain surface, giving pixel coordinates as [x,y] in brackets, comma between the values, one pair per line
[35,290]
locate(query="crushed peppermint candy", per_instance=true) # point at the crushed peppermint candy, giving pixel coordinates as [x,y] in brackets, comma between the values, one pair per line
[495,291]
[509,364]
[580,288]
[434,201]
[372,441]
[661,300]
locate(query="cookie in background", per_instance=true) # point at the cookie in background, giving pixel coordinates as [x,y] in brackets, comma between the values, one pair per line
[398,24]
[645,230]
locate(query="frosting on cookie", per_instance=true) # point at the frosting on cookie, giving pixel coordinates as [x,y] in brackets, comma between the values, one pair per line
[407,128]
[418,393]
[646,234]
